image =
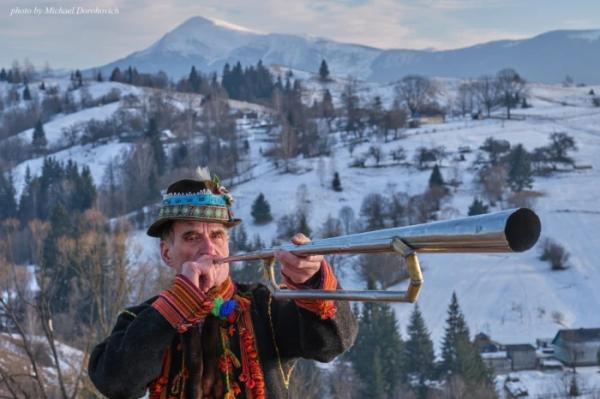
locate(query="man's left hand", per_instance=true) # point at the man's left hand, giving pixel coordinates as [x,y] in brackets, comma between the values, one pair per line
[299,269]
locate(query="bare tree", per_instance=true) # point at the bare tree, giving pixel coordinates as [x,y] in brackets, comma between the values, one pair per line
[486,92]
[511,89]
[415,92]
[307,380]
[377,153]
[492,181]
[346,215]
[384,269]
[137,168]
[34,377]
[351,103]
[287,148]
[465,98]
[394,120]
[345,383]
[41,365]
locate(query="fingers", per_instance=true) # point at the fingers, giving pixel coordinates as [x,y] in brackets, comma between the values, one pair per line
[312,258]
[289,259]
[298,269]
[204,274]
[207,279]
[300,239]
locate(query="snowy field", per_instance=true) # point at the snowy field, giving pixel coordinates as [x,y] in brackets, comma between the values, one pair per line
[509,296]
[550,384]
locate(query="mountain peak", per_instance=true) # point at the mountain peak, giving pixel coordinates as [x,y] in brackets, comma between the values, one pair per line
[200,21]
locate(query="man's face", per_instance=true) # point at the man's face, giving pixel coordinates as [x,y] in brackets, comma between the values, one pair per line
[192,239]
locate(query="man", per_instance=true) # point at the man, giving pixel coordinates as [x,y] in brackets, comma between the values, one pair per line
[207,337]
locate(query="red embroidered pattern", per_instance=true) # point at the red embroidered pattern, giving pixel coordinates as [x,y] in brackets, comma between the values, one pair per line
[324,308]
[183,304]
[158,386]
[252,375]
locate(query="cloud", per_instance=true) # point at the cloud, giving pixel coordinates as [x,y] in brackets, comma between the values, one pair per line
[579,23]
[460,4]
[83,41]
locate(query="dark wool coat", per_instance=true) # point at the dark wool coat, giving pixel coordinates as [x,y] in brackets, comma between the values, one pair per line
[126,362]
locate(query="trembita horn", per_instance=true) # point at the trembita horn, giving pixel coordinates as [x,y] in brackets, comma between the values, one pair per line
[514,230]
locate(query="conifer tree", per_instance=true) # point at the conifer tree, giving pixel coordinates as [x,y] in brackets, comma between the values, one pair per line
[85,189]
[78,78]
[179,156]
[459,355]
[153,189]
[303,226]
[27,201]
[419,348]
[327,108]
[3,75]
[456,331]
[519,174]
[8,203]
[336,184]
[257,243]
[160,157]
[436,179]
[324,71]
[472,367]
[241,240]
[261,210]
[99,77]
[116,75]
[477,207]
[194,80]
[26,93]
[39,141]
[58,273]
[377,353]
[129,75]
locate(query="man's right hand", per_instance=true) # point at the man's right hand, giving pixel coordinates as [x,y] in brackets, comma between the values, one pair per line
[204,274]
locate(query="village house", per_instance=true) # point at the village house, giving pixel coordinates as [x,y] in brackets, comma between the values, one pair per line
[578,347]
[522,356]
[498,361]
[505,358]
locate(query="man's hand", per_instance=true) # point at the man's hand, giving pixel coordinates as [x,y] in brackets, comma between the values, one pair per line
[204,274]
[299,269]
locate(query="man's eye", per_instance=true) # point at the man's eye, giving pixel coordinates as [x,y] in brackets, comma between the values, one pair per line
[218,236]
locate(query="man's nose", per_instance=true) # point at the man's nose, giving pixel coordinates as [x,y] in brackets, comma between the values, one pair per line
[207,247]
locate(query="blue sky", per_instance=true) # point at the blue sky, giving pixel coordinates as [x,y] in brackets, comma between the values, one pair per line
[89,40]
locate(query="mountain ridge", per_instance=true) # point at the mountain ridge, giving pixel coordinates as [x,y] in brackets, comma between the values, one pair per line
[208,45]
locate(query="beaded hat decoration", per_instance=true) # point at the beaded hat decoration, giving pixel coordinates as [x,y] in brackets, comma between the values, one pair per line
[203,200]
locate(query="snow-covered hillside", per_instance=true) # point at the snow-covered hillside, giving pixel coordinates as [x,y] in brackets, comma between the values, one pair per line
[512,297]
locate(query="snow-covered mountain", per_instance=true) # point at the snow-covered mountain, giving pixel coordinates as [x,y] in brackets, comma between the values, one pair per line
[209,44]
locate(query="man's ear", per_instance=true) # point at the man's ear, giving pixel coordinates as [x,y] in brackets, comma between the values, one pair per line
[165,253]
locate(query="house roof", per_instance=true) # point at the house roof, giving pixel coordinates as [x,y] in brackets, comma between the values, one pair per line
[578,335]
[519,348]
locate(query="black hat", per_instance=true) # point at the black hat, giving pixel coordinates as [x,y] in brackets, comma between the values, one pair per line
[190,199]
